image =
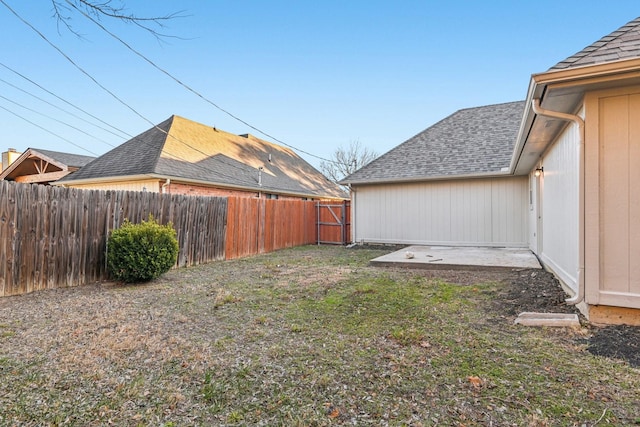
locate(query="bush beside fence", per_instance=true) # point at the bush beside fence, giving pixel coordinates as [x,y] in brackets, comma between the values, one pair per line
[53,237]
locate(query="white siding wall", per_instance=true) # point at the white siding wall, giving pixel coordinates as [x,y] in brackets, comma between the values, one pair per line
[533,211]
[612,199]
[478,212]
[559,186]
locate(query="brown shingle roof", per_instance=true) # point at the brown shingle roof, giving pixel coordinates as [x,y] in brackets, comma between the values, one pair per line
[181,148]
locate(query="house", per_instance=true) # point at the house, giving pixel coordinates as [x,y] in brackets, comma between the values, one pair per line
[447,185]
[562,183]
[36,166]
[180,156]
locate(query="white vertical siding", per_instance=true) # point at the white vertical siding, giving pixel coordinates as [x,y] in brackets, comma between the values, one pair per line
[474,212]
[560,210]
[612,198]
[533,212]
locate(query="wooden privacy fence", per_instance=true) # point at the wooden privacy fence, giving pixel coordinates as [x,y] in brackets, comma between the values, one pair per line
[54,237]
[334,222]
[264,225]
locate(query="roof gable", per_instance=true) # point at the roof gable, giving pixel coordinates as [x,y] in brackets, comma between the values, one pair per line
[472,141]
[42,162]
[624,43]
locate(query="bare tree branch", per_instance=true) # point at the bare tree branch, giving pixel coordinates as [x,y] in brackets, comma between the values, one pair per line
[346,161]
[63,11]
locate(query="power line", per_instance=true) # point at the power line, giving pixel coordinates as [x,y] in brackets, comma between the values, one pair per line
[119,100]
[189,88]
[93,79]
[69,103]
[56,120]
[47,130]
[58,108]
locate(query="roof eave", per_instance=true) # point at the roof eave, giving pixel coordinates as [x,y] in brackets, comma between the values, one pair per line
[573,81]
[496,174]
[161,177]
[24,156]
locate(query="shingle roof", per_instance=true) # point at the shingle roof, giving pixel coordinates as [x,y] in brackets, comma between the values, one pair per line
[72,160]
[181,148]
[472,141]
[624,43]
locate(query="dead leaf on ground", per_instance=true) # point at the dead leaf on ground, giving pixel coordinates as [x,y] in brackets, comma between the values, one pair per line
[476,382]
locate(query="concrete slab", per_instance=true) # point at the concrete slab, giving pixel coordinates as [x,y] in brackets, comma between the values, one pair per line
[459,258]
[548,319]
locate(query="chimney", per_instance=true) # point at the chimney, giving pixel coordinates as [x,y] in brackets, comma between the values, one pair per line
[9,157]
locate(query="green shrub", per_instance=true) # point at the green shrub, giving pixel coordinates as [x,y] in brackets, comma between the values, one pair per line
[141,252]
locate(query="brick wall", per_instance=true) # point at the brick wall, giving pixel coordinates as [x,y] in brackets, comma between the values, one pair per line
[201,190]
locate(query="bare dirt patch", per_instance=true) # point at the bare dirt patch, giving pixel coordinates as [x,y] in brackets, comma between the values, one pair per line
[540,291]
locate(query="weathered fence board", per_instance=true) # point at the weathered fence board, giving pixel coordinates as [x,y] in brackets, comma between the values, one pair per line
[53,237]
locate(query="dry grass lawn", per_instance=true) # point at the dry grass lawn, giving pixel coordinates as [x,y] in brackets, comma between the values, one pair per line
[309,336]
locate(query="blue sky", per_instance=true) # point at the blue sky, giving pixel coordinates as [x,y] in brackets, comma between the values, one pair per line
[315,75]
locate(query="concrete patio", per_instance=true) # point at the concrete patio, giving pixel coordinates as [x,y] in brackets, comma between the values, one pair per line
[459,258]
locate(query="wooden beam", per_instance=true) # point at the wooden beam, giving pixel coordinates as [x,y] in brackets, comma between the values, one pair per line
[42,177]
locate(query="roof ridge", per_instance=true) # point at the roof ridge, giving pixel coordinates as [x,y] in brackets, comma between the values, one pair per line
[44,150]
[235,135]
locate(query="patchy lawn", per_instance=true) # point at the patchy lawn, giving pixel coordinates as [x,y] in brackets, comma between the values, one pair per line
[309,336]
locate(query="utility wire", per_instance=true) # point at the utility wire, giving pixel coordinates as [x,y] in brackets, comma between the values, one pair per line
[78,67]
[47,130]
[123,102]
[69,103]
[74,115]
[59,108]
[56,120]
[104,88]
[189,88]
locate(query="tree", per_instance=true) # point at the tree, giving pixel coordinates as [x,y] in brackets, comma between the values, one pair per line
[92,9]
[346,161]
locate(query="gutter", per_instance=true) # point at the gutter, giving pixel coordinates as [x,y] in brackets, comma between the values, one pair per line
[479,175]
[535,105]
[174,180]
[165,185]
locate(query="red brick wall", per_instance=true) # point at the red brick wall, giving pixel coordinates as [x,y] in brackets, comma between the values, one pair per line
[201,190]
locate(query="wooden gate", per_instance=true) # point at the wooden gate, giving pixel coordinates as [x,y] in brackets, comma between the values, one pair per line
[334,222]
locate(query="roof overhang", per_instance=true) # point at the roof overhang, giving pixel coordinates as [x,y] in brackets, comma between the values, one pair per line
[427,178]
[563,91]
[176,179]
[13,169]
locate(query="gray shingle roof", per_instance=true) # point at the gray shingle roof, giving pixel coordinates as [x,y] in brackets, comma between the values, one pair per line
[473,141]
[72,160]
[624,43]
[180,148]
